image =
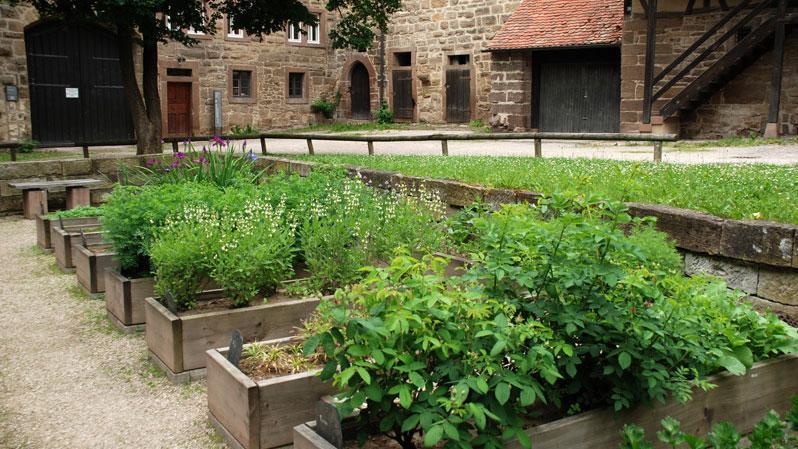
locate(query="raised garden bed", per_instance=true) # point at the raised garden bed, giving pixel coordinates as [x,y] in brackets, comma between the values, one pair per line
[260,414]
[124,299]
[91,261]
[741,400]
[177,341]
[63,239]
[44,228]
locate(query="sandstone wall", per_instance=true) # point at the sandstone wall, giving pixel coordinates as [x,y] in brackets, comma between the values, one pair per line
[14,116]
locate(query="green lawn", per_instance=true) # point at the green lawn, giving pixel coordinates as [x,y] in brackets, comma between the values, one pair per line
[751,191]
[37,155]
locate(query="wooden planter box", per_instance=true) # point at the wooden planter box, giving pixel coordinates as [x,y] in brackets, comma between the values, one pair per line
[124,299]
[91,261]
[741,400]
[62,240]
[44,228]
[178,343]
[259,414]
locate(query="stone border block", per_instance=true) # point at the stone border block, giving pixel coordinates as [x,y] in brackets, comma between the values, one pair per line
[693,231]
[76,167]
[758,241]
[780,285]
[787,313]
[738,275]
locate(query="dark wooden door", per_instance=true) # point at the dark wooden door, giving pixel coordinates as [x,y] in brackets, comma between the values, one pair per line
[579,96]
[360,93]
[404,104]
[178,104]
[458,95]
[76,91]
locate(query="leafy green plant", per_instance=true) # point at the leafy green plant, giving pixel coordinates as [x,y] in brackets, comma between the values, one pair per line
[221,164]
[27,145]
[612,288]
[429,355]
[384,115]
[244,131]
[769,433]
[326,107]
[76,212]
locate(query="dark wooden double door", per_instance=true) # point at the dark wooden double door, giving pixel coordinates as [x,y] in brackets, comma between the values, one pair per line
[360,92]
[404,105]
[458,95]
[75,80]
[578,91]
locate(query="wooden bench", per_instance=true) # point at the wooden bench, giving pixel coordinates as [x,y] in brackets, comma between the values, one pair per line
[34,194]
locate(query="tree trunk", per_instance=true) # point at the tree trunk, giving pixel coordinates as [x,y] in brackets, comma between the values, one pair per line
[145,110]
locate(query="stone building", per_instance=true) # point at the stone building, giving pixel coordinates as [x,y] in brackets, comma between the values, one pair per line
[581,66]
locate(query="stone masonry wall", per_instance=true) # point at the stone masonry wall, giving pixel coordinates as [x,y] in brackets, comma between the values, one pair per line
[433,30]
[14,116]
[511,95]
[738,108]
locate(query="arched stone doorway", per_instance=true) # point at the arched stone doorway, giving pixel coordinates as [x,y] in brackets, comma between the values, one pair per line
[360,91]
[76,93]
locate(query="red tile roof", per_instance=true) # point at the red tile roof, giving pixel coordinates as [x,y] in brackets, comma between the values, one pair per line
[561,23]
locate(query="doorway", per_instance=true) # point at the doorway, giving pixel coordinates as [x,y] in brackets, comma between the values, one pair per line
[178,104]
[360,92]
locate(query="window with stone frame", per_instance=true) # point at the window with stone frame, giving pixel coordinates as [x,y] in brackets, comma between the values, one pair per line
[233,32]
[204,14]
[242,84]
[314,31]
[296,86]
[294,33]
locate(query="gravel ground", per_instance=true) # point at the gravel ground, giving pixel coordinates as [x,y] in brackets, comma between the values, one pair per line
[70,380]
[771,154]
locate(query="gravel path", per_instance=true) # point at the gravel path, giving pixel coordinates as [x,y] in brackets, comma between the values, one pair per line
[67,378]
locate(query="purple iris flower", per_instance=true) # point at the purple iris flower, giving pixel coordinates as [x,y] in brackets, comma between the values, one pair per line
[181,155]
[218,141]
[251,156]
[151,162]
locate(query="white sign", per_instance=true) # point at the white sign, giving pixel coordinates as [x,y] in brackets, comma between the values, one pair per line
[72,92]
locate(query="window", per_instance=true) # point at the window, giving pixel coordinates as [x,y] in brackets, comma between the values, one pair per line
[242,84]
[174,71]
[459,59]
[233,32]
[314,31]
[204,15]
[294,33]
[296,86]
[403,59]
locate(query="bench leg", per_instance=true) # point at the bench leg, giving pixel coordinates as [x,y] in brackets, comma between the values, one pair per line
[34,202]
[77,196]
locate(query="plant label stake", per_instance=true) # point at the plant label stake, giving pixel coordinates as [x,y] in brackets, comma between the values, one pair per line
[61,221]
[328,422]
[83,239]
[236,345]
[171,304]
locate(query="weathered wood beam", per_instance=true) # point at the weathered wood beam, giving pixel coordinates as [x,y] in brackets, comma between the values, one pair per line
[772,129]
[690,6]
[651,43]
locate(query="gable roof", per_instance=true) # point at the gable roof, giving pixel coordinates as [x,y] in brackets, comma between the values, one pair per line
[561,23]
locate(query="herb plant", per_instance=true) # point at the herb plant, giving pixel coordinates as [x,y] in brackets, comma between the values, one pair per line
[77,212]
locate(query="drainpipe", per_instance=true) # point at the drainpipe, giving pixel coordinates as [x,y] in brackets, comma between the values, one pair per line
[382,67]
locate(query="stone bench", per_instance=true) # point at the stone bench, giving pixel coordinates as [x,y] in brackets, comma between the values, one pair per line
[34,194]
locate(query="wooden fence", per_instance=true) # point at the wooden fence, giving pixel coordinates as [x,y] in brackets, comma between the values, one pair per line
[537,140]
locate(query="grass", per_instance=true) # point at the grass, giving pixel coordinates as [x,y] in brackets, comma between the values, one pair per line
[752,141]
[475,126]
[737,191]
[38,155]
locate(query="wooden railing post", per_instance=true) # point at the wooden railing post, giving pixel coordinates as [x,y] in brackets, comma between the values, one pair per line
[85,151]
[263,146]
[13,153]
[310,147]
[174,146]
[371,147]
[445,147]
[538,148]
[658,151]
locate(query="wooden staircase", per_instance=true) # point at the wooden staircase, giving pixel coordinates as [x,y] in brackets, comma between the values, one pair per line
[742,55]
[701,83]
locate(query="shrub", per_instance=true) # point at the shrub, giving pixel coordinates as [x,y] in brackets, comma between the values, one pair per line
[428,355]
[384,115]
[27,145]
[133,214]
[76,212]
[221,165]
[244,131]
[326,107]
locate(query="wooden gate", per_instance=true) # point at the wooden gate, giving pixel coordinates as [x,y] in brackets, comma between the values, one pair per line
[404,104]
[577,92]
[76,91]
[178,105]
[458,95]
[360,92]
